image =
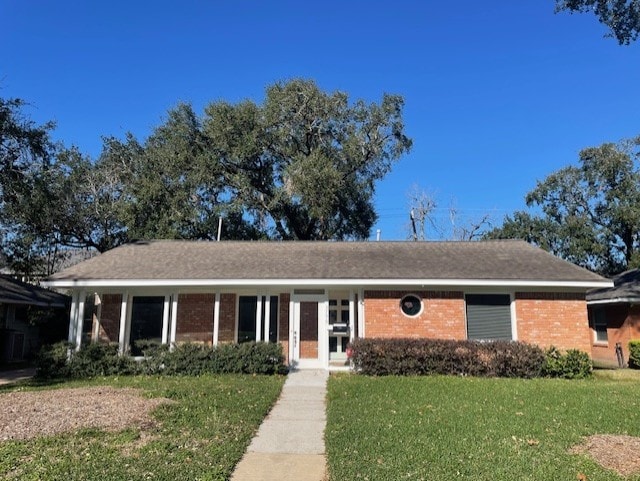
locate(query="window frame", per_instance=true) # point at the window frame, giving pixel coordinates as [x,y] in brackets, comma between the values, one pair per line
[420,300]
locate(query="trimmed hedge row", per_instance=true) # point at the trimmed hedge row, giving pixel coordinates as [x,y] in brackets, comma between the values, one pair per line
[61,361]
[634,354]
[380,357]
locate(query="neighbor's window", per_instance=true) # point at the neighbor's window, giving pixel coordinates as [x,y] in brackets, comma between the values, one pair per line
[600,325]
[411,305]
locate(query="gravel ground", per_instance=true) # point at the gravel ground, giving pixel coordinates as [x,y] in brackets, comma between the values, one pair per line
[613,451]
[28,414]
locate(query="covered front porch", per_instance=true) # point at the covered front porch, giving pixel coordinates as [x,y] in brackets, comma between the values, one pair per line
[313,324]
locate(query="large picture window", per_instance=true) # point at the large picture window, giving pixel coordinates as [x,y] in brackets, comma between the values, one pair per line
[247,306]
[489,317]
[146,321]
[247,309]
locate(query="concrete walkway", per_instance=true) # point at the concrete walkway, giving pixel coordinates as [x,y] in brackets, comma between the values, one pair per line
[7,377]
[290,441]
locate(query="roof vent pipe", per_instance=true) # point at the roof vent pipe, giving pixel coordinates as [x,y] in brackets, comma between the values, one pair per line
[378,235]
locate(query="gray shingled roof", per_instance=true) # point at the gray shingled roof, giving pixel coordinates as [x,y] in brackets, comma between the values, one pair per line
[13,291]
[201,260]
[626,288]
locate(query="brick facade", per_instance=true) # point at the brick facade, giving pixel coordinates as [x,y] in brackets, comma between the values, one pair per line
[195,318]
[558,319]
[623,325]
[442,317]
[227,329]
[111,305]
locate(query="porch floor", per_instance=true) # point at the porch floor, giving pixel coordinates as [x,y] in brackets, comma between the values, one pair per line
[290,442]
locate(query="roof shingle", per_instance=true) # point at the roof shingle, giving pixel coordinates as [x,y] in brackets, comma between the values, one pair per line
[231,260]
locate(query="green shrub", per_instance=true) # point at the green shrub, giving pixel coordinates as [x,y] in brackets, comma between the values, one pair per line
[572,364]
[51,361]
[381,357]
[634,354]
[61,361]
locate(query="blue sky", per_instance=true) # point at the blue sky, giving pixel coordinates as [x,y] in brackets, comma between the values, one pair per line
[498,94]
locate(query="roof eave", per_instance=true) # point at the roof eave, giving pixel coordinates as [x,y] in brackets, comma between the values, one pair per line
[126,283]
[615,300]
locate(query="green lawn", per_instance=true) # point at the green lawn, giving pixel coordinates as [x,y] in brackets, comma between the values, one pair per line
[199,437]
[444,428]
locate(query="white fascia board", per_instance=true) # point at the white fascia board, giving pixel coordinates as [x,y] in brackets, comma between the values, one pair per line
[324,282]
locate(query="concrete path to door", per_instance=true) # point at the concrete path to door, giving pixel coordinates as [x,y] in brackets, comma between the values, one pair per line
[290,441]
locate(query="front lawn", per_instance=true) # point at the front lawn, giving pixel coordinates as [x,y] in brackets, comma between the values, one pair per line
[200,434]
[444,428]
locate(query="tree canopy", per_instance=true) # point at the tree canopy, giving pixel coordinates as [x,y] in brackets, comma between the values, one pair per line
[622,17]
[301,165]
[588,214]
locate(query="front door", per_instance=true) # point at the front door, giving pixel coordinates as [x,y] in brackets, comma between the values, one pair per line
[309,332]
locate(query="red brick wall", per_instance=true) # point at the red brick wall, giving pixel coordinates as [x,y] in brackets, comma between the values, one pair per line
[558,319]
[110,317]
[227,328]
[283,327]
[195,318]
[623,325]
[442,317]
[308,330]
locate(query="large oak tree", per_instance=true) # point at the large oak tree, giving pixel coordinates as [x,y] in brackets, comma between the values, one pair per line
[588,214]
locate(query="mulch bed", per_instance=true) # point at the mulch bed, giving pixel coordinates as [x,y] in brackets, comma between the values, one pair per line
[29,414]
[617,452]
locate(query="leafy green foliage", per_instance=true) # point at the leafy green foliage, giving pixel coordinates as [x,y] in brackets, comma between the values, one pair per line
[572,364]
[95,359]
[305,162]
[622,17]
[301,165]
[634,354]
[381,357]
[201,435]
[440,428]
[590,213]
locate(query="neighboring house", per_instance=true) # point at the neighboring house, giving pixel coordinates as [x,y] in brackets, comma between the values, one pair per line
[614,315]
[313,297]
[22,305]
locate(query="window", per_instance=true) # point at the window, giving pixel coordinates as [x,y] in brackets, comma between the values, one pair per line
[600,325]
[338,311]
[273,317]
[247,309]
[146,321]
[411,305]
[87,321]
[489,317]
[247,306]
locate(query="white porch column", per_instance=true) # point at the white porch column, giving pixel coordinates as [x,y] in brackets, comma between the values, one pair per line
[174,319]
[95,333]
[267,316]
[259,318]
[73,317]
[361,313]
[216,318]
[124,307]
[165,318]
[81,302]
[352,313]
